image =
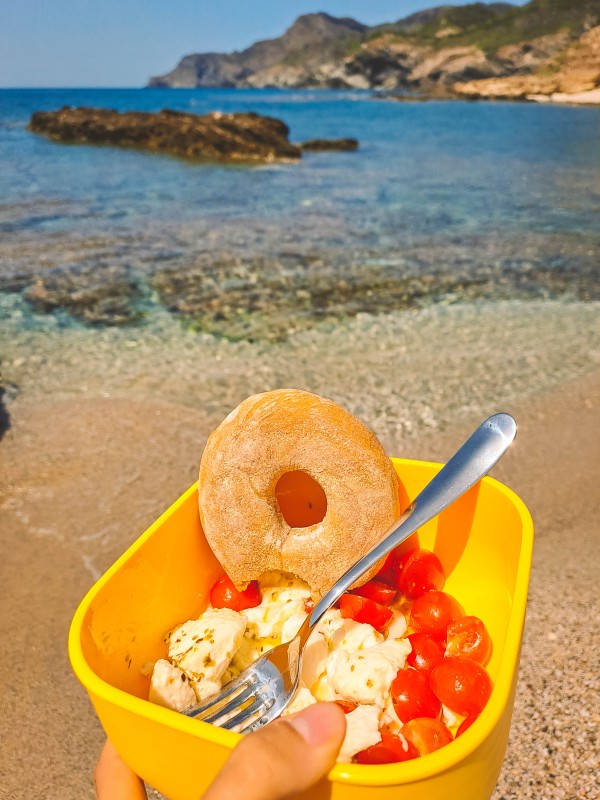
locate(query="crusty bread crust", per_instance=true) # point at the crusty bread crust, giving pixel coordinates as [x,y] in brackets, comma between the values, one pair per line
[276,432]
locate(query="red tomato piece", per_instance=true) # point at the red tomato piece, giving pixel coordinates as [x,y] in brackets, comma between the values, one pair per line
[426,735]
[433,612]
[390,750]
[347,706]
[465,725]
[412,696]
[378,591]
[418,572]
[426,652]
[361,609]
[224,595]
[468,637]
[462,685]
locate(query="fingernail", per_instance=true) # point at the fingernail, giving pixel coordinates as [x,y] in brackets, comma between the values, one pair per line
[318,723]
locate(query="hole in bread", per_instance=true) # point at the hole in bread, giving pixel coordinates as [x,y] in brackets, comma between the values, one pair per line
[301,499]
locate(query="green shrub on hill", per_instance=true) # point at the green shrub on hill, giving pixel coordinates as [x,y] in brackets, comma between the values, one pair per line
[495,25]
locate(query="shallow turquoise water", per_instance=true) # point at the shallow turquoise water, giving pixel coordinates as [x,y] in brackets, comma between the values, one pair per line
[435,185]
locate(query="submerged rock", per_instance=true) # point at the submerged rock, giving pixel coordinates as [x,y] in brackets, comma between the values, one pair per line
[249,138]
[95,295]
[330,144]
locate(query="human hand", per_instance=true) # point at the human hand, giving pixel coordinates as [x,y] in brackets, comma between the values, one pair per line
[282,759]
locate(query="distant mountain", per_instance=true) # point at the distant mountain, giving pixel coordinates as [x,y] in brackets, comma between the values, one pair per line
[312,39]
[429,51]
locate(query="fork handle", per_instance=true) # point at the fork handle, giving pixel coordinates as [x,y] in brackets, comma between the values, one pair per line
[467,466]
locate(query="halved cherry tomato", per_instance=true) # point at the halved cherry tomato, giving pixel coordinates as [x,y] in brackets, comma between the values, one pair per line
[389,750]
[378,591]
[309,605]
[426,735]
[418,572]
[465,725]
[347,706]
[462,685]
[433,612]
[224,595]
[468,637]
[426,652]
[362,609]
[412,696]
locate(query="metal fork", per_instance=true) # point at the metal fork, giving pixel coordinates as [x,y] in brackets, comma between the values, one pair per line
[262,691]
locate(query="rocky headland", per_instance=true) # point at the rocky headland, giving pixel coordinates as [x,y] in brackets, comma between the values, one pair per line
[541,48]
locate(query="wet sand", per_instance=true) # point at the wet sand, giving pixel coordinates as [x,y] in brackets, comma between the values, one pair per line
[82,473]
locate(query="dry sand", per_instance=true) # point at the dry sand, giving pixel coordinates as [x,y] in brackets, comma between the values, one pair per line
[82,474]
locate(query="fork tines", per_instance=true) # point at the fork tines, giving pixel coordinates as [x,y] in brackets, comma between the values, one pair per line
[235,704]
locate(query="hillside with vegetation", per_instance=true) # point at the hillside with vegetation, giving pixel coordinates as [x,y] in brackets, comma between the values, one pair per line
[435,52]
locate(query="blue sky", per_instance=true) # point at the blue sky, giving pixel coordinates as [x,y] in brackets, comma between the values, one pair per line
[124,42]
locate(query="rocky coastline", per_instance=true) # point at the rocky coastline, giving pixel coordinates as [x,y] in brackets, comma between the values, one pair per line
[542,50]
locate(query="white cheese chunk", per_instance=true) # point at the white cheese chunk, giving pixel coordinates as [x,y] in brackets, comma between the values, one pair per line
[291,626]
[449,718]
[389,717]
[170,687]
[323,690]
[353,635]
[314,660]
[302,699]
[204,647]
[362,731]
[397,627]
[365,675]
[283,597]
[250,650]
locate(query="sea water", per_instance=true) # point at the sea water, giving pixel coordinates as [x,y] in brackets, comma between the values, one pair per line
[435,187]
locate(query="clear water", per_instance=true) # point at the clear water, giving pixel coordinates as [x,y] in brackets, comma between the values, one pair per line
[433,186]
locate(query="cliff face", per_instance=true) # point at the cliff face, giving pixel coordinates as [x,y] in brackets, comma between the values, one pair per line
[289,60]
[430,52]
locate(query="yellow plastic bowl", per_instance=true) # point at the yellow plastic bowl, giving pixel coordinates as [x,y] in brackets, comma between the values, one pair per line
[485,544]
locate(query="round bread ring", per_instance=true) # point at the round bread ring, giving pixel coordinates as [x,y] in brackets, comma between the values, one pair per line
[281,431]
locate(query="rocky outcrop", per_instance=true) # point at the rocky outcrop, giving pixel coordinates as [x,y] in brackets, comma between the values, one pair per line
[241,138]
[246,138]
[320,145]
[572,74]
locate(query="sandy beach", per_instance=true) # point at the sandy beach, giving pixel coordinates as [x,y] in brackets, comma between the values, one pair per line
[108,428]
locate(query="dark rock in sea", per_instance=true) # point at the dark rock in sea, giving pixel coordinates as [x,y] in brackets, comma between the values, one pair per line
[239,138]
[330,144]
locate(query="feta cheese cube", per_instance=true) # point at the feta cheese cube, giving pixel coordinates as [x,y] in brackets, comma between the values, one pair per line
[302,699]
[291,626]
[170,687]
[250,650]
[397,627]
[283,597]
[204,647]
[353,635]
[365,676]
[362,731]
[314,660]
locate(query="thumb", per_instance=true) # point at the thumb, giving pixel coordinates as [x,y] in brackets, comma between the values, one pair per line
[284,758]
